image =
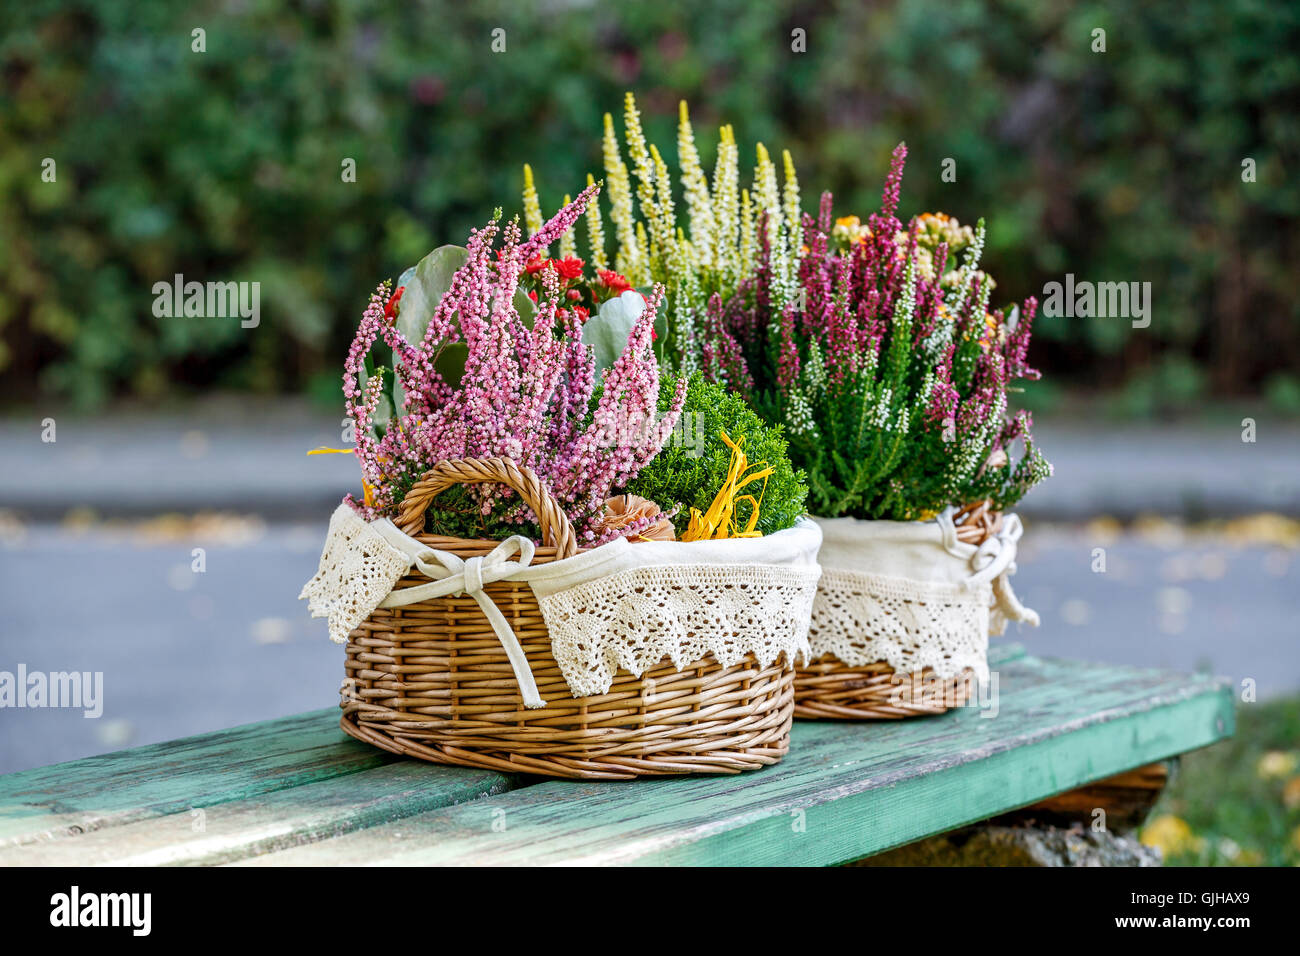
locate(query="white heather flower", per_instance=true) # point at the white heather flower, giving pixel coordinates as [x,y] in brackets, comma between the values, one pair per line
[815,371]
[686,303]
[799,415]
[970,262]
[906,304]
[881,419]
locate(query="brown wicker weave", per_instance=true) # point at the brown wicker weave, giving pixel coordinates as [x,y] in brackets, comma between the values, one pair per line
[431,680]
[827,688]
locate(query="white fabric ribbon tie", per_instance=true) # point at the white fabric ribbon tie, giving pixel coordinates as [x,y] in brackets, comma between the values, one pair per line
[451,575]
[993,562]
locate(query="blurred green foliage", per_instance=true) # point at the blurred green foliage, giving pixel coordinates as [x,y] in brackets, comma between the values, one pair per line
[226,165]
[1240,799]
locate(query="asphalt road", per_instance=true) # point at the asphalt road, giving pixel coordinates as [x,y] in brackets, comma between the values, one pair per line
[184,651]
[252,458]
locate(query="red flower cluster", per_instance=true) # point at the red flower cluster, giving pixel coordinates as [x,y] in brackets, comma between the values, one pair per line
[615,283]
[390,307]
[570,267]
[584,295]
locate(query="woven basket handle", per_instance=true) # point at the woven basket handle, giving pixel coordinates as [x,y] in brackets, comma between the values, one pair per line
[978,522]
[556,529]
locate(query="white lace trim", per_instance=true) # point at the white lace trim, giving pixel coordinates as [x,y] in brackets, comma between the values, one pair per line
[636,618]
[619,605]
[911,625]
[357,570]
[911,594]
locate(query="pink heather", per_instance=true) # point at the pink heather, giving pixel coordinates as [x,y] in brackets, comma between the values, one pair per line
[850,299]
[893,182]
[526,394]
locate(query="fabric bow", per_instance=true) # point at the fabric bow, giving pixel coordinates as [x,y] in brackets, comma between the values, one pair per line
[454,576]
[994,561]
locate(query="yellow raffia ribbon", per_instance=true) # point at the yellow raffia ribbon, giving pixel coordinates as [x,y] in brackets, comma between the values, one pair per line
[719,521]
[366,491]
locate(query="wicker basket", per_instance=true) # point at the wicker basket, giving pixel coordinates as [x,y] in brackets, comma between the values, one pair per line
[431,680]
[827,688]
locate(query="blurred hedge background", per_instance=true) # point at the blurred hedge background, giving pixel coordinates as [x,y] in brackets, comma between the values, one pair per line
[225,165]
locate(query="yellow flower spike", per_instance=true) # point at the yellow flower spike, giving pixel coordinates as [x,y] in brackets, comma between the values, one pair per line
[766,196]
[747,236]
[790,192]
[719,521]
[595,232]
[695,188]
[644,170]
[642,243]
[664,224]
[532,205]
[726,205]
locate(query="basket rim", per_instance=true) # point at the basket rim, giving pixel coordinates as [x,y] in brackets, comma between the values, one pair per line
[469,547]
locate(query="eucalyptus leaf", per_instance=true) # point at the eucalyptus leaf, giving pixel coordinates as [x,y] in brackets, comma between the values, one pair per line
[525,306]
[396,394]
[425,285]
[450,362]
[608,330]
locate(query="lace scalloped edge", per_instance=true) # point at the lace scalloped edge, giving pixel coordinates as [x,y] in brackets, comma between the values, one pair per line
[357,570]
[635,618]
[911,625]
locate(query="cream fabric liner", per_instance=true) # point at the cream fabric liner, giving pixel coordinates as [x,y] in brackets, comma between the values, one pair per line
[620,605]
[910,594]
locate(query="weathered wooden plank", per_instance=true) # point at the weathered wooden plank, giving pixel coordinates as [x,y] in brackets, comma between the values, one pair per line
[269,821]
[1125,798]
[117,788]
[845,791]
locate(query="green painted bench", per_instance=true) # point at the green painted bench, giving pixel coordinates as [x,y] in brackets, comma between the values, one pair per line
[297,791]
